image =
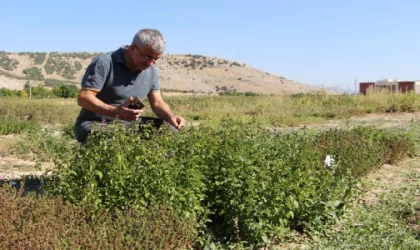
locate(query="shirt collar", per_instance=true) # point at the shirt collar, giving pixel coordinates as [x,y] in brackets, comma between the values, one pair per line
[119,55]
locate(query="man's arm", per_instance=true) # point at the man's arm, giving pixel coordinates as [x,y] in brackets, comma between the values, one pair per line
[88,100]
[162,109]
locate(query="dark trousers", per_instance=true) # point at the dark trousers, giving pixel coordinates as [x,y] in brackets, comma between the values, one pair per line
[82,132]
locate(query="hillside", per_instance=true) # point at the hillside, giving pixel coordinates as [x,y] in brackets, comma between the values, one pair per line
[179,73]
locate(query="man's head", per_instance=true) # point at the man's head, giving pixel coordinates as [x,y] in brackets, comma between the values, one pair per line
[146,48]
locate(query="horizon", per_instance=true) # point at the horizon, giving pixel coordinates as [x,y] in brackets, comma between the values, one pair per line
[323,43]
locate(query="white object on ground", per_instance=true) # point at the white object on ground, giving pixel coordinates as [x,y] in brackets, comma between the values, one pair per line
[329,161]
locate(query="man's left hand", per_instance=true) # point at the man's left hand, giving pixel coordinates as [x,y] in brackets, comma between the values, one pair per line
[177,122]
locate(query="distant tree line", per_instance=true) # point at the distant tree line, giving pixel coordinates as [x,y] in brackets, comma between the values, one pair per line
[62,91]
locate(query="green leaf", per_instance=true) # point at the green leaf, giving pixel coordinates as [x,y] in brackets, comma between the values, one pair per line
[99,174]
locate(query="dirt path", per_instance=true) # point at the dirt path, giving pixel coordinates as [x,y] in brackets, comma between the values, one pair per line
[390,177]
[383,120]
[13,168]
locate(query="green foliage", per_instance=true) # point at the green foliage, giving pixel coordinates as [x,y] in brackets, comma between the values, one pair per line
[54,82]
[237,93]
[394,146]
[8,74]
[65,91]
[238,183]
[7,63]
[47,112]
[38,222]
[33,73]
[39,58]
[77,66]
[79,55]
[68,130]
[15,127]
[38,91]
[62,91]
[126,170]
[43,145]
[408,102]
[250,93]
[56,64]
[242,184]
[8,92]
[387,219]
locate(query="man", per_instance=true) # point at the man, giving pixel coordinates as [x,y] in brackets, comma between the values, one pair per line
[113,79]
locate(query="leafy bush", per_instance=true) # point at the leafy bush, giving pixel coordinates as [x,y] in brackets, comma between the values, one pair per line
[37,91]
[240,183]
[7,92]
[77,66]
[408,102]
[123,172]
[68,131]
[65,91]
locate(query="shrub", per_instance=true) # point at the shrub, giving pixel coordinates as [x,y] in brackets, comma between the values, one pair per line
[240,183]
[32,222]
[7,92]
[7,63]
[65,91]
[33,73]
[125,170]
[37,91]
[39,58]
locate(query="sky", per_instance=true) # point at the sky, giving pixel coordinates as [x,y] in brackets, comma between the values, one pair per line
[330,43]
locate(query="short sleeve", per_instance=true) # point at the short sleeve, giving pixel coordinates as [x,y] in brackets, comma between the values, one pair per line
[95,75]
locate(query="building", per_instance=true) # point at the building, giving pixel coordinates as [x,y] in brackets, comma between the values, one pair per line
[364,86]
[391,84]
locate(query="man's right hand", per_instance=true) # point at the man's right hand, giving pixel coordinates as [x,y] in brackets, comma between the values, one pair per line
[88,100]
[127,114]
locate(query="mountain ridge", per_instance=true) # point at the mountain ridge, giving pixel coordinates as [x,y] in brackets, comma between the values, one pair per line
[178,73]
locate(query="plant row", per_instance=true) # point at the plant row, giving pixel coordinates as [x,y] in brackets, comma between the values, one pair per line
[240,184]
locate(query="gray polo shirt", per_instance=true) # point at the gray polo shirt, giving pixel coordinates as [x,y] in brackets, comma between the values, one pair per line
[110,75]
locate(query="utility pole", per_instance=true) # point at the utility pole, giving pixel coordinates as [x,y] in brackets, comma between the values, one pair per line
[30,89]
[355,86]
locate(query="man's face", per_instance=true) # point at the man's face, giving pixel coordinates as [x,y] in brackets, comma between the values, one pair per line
[144,57]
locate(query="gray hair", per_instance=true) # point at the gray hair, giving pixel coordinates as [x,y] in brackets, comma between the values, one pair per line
[150,37]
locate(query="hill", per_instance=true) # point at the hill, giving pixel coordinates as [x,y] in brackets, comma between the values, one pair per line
[179,73]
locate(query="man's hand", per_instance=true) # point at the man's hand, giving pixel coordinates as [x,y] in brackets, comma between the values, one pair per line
[161,109]
[124,113]
[177,122]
